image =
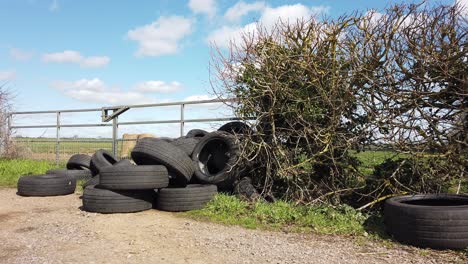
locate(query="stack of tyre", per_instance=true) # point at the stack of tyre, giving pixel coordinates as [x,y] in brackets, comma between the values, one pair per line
[170,174]
[59,181]
[122,187]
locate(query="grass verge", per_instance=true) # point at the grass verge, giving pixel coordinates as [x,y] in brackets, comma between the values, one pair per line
[11,170]
[286,217]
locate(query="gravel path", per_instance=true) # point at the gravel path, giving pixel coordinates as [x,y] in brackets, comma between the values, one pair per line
[54,230]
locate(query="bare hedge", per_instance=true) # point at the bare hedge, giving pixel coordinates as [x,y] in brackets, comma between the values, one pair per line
[321,89]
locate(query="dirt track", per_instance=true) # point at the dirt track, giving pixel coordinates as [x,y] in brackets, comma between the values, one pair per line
[54,230]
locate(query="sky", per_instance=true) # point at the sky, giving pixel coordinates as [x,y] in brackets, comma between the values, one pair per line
[64,54]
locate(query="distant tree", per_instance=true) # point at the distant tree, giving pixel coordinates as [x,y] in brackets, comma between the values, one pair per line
[5,107]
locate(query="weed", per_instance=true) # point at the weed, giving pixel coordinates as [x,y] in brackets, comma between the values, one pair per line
[281,215]
[11,170]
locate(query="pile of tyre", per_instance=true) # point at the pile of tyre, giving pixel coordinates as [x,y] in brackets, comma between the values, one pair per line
[169,174]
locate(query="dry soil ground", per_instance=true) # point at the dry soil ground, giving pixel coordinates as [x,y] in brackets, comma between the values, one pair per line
[55,230]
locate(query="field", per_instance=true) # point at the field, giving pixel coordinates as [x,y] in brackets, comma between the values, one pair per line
[67,146]
[45,148]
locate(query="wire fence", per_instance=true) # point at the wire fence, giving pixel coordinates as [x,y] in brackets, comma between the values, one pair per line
[60,149]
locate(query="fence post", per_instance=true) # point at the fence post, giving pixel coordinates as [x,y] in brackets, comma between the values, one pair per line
[6,135]
[115,127]
[182,123]
[57,144]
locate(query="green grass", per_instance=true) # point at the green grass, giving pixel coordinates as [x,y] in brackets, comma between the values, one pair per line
[282,216]
[47,145]
[11,170]
[370,158]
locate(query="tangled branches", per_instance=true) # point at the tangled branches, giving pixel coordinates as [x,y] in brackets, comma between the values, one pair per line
[319,89]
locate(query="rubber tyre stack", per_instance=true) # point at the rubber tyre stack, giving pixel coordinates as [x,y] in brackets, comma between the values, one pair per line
[215,159]
[45,185]
[79,162]
[437,221]
[187,144]
[124,188]
[100,159]
[75,174]
[191,197]
[57,181]
[150,151]
[236,128]
[100,200]
[145,177]
[196,133]
[77,168]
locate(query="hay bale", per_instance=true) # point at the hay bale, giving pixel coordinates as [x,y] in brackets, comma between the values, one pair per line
[146,135]
[129,142]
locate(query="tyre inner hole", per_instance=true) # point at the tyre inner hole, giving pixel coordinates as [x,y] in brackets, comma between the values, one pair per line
[109,158]
[214,157]
[438,202]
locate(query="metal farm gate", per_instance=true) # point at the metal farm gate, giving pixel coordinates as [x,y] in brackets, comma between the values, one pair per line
[65,147]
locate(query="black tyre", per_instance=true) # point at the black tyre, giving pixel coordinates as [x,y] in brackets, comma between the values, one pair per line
[134,177]
[107,201]
[159,152]
[45,185]
[100,159]
[79,162]
[124,162]
[236,127]
[94,181]
[437,221]
[196,133]
[167,139]
[215,159]
[74,174]
[187,144]
[194,196]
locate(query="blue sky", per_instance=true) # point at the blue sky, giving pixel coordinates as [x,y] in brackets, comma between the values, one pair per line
[57,54]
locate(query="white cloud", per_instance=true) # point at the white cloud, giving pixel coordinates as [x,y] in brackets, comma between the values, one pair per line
[373,15]
[289,14]
[241,8]
[95,61]
[95,85]
[223,36]
[162,36]
[158,87]
[71,56]
[207,7]
[7,75]
[67,56]
[95,90]
[54,6]
[20,55]
[199,97]
[202,97]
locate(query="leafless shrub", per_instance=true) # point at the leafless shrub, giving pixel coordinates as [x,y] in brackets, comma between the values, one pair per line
[5,97]
[318,89]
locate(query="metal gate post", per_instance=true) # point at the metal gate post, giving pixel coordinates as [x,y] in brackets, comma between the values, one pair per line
[7,136]
[115,127]
[57,143]
[182,122]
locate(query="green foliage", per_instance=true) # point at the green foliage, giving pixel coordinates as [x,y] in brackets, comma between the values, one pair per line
[282,215]
[320,88]
[11,170]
